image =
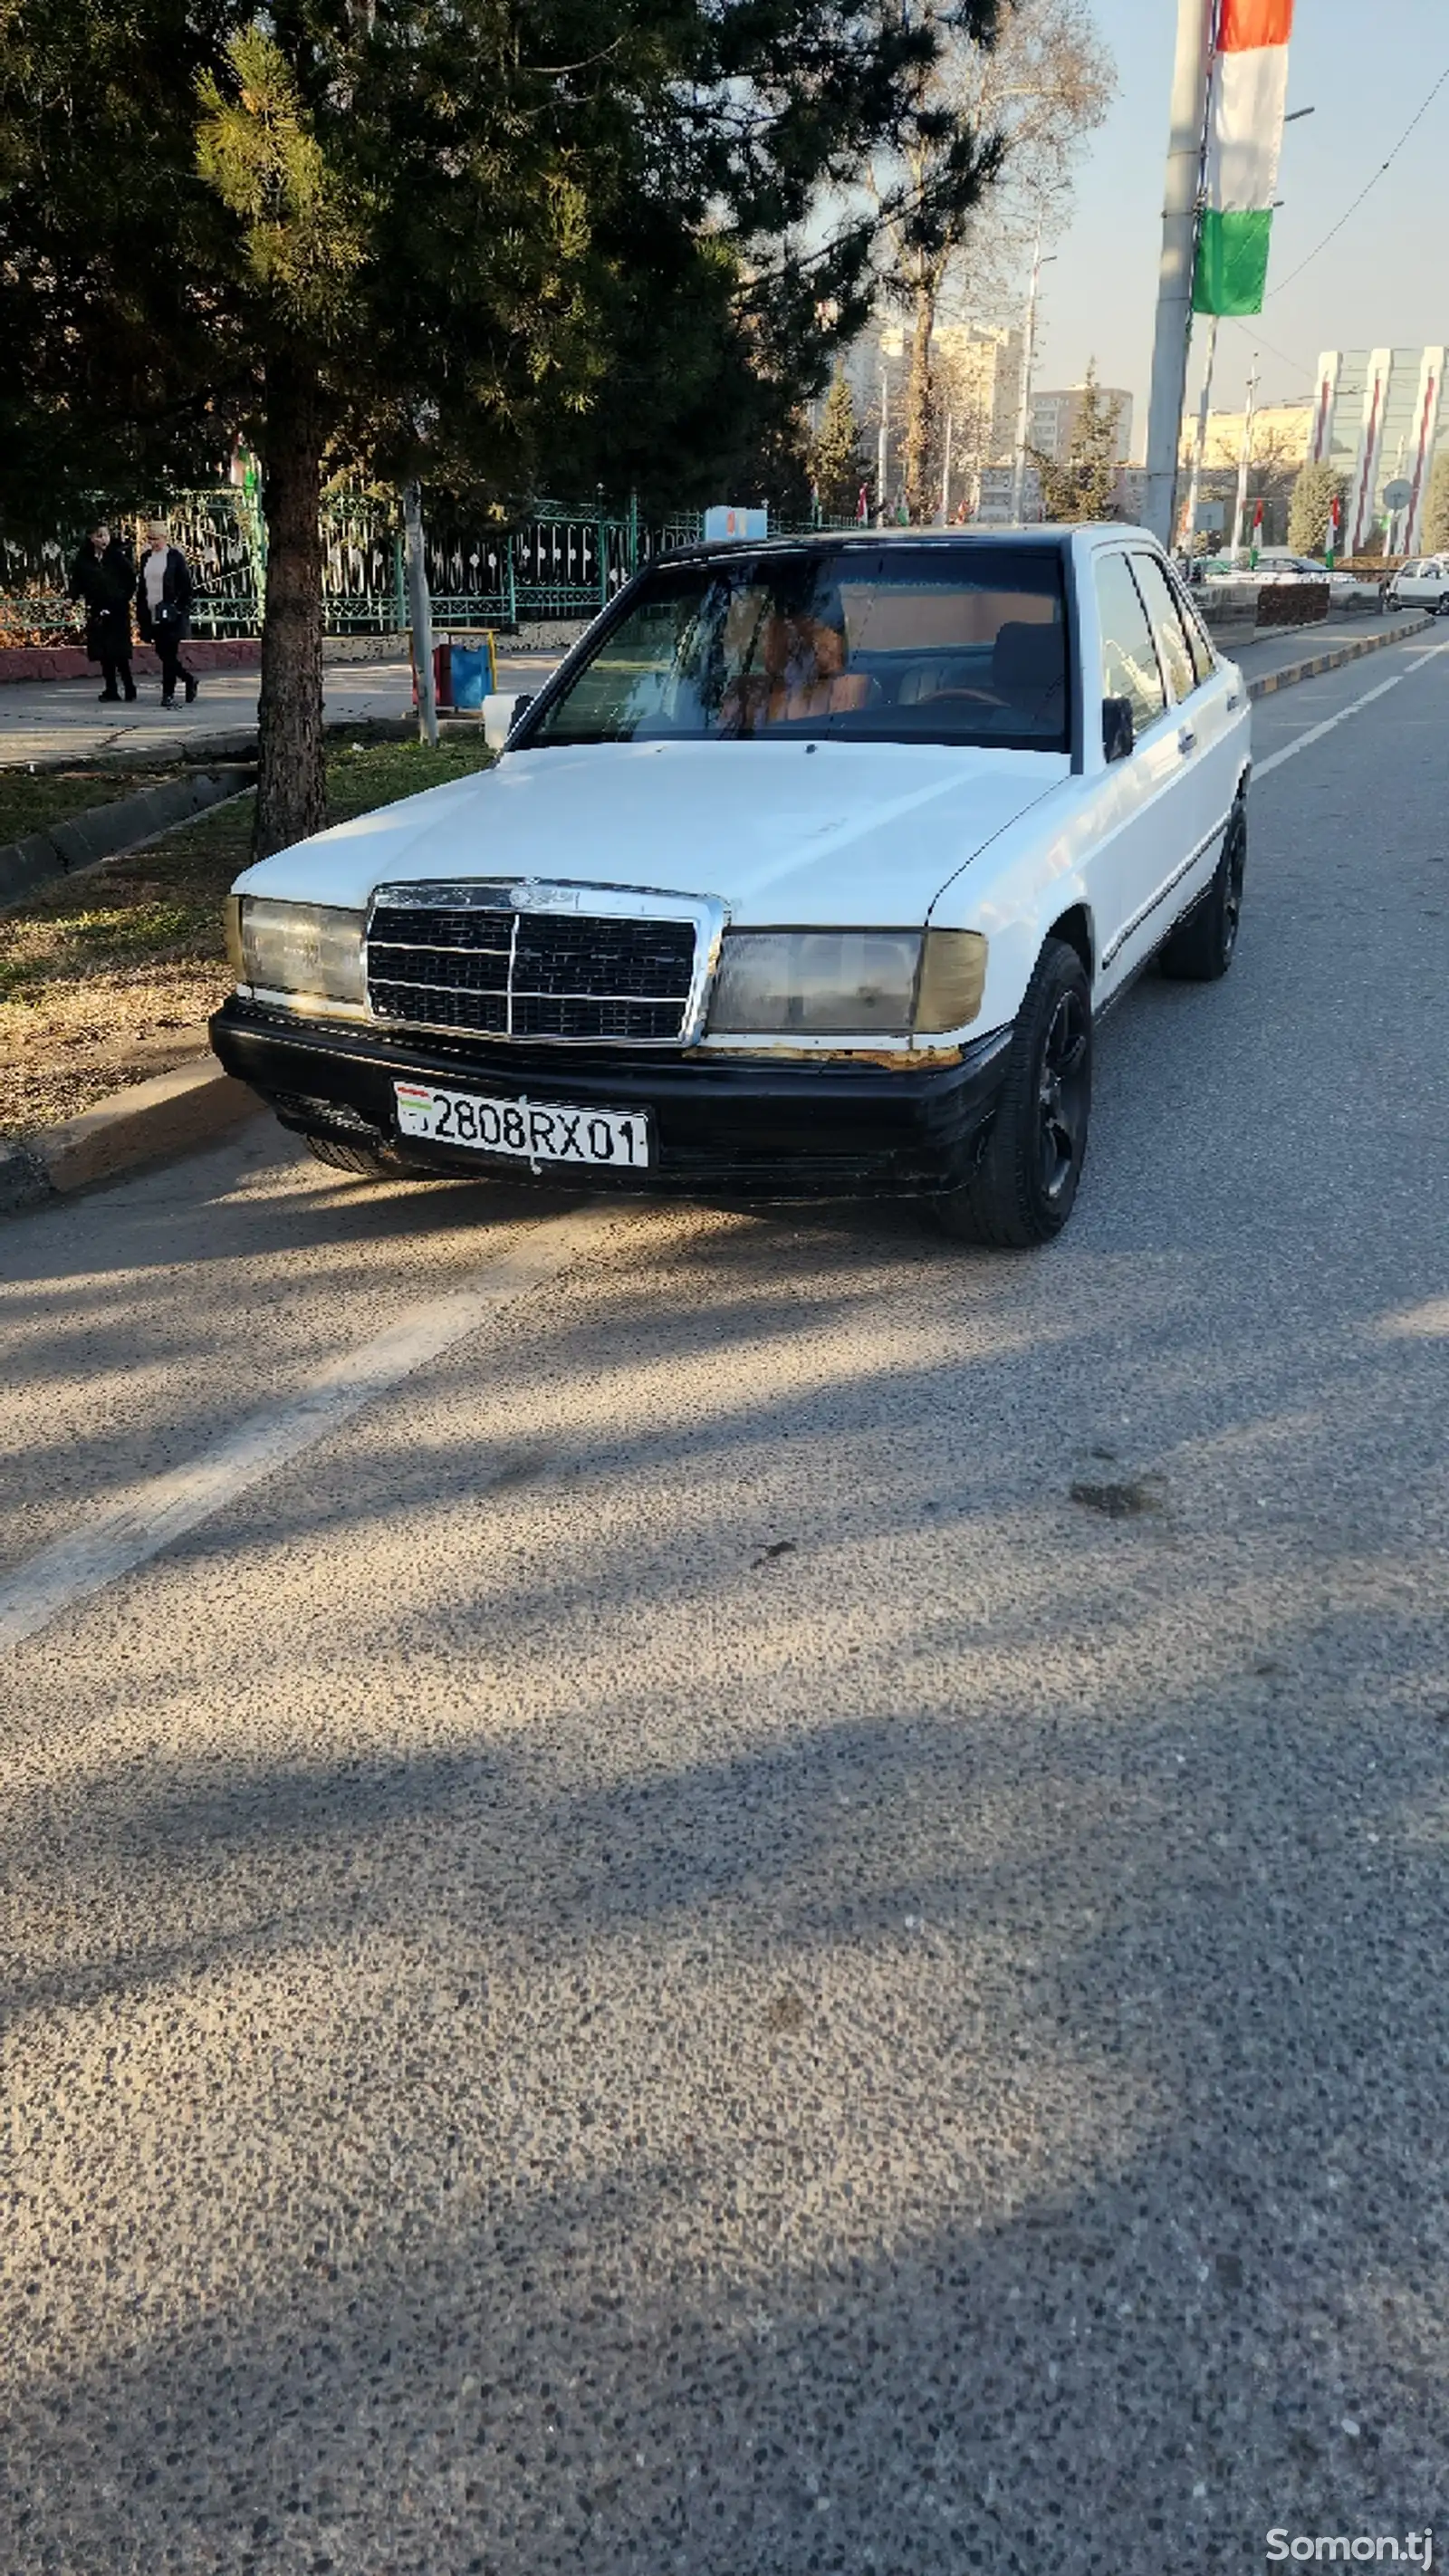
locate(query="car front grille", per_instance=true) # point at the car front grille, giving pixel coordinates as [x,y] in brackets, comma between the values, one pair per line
[516,974]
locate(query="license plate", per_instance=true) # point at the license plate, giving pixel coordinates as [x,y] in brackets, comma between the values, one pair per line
[533,1130]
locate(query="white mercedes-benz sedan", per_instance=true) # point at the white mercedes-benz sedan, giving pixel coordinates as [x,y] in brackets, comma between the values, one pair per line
[808,871]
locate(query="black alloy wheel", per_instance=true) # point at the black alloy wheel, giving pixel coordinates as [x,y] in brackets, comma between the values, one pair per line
[1202,947]
[1064,1094]
[1023,1188]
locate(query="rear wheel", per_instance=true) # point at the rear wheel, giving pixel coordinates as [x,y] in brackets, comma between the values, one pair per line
[365,1162]
[1202,946]
[1022,1190]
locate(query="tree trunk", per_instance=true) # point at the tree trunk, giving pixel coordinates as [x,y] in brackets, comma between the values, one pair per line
[291,782]
[919,499]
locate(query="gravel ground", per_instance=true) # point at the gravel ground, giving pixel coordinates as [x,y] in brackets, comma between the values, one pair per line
[790,1914]
[109,976]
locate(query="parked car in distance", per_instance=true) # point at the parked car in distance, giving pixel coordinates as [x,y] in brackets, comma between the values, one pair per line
[1421,584]
[1278,564]
[808,871]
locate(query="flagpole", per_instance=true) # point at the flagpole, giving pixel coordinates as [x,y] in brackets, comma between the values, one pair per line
[1186,132]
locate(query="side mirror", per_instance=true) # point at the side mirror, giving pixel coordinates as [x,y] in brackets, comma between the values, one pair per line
[1118,736]
[518,706]
[501,712]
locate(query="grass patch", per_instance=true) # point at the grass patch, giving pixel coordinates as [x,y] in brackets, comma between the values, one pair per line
[32,801]
[108,977]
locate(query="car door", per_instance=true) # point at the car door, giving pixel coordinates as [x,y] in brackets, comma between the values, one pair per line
[1135,826]
[1208,700]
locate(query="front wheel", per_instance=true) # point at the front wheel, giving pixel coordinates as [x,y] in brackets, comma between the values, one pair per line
[1203,945]
[1022,1190]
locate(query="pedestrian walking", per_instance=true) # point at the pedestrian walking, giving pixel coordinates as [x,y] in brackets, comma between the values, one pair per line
[164,593]
[101,576]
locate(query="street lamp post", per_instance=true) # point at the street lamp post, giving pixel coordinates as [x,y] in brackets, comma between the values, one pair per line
[1245,457]
[1200,441]
[1028,353]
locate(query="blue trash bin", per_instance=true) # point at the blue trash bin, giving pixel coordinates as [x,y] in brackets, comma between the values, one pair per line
[471,678]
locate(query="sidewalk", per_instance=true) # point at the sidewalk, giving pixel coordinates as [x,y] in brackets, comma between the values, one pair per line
[49,721]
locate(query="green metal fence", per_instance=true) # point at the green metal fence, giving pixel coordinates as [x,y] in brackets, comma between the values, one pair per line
[561,563]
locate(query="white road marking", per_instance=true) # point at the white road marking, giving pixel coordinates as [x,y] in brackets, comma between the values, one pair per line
[1315,733]
[129,1532]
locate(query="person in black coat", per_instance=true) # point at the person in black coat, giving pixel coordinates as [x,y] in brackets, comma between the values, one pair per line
[101,576]
[164,593]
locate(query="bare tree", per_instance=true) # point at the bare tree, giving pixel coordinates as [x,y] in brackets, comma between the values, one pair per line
[1272,473]
[1026,99]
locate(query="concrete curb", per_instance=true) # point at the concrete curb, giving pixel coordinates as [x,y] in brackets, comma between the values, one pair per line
[103,830]
[148,1123]
[1272,681]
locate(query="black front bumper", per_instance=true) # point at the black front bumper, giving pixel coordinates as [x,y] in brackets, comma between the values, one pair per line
[749,1128]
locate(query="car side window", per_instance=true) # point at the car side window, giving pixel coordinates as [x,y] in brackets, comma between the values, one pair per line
[1130,666]
[1172,645]
[1204,660]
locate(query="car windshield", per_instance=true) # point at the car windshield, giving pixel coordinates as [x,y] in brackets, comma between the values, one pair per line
[889,643]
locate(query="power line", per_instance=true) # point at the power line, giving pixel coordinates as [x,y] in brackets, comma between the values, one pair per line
[1363,192]
[1260,340]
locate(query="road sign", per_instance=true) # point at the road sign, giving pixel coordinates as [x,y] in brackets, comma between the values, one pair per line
[1398,495]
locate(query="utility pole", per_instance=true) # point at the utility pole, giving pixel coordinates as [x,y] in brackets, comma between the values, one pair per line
[946,471]
[1028,354]
[1185,140]
[1246,457]
[882,445]
[1200,441]
[420,614]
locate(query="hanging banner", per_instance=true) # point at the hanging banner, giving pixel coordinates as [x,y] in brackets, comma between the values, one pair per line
[1244,138]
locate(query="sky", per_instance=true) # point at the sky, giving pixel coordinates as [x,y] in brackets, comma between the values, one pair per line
[1383,282]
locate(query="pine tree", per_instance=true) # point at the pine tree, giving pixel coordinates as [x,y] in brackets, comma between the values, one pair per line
[1082,487]
[509,244]
[1314,493]
[835,460]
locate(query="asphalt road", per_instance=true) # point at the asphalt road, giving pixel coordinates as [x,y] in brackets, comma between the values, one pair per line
[787,1910]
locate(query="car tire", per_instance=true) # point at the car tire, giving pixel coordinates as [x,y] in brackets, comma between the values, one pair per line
[1202,947]
[365,1162]
[1023,1188]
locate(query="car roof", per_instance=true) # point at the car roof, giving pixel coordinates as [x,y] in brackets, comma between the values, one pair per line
[1044,537]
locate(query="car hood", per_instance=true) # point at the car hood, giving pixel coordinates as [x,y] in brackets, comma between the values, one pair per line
[792,833]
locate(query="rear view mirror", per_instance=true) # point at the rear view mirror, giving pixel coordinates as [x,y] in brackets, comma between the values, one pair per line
[1117,734]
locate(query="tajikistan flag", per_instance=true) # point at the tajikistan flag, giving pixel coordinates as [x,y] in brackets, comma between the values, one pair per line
[1245,134]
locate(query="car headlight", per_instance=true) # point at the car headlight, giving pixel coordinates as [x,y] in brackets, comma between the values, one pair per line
[847,983]
[304,948]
